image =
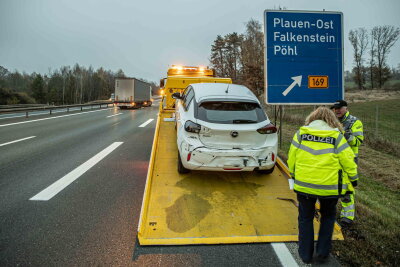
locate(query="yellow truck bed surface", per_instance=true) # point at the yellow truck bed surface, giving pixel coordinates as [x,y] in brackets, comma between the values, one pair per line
[213,207]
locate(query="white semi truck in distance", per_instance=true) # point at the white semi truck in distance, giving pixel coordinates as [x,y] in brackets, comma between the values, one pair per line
[132,93]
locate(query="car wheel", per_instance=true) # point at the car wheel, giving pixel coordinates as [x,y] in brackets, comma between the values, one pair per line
[269,171]
[181,168]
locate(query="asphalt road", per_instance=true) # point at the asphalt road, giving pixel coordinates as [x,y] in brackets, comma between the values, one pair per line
[102,156]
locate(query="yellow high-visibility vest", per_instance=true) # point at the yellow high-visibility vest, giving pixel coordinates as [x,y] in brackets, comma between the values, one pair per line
[321,161]
[354,128]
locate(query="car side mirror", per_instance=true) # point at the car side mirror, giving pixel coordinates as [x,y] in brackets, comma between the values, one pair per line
[176,95]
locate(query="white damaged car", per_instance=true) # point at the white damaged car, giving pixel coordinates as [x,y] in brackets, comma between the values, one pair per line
[222,127]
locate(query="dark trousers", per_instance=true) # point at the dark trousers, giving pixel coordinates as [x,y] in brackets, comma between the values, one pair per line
[306,227]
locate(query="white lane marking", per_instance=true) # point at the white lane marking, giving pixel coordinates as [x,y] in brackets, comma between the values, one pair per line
[19,140]
[50,118]
[116,123]
[63,182]
[284,255]
[145,123]
[114,115]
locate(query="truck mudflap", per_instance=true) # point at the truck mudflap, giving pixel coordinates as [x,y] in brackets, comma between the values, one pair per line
[213,207]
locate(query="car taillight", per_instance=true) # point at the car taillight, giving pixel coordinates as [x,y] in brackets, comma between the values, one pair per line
[267,129]
[189,156]
[192,127]
[273,157]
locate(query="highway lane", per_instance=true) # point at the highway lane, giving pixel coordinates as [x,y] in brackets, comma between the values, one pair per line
[56,232]
[93,220]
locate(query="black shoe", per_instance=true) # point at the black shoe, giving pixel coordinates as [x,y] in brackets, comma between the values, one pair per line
[322,259]
[345,223]
[306,262]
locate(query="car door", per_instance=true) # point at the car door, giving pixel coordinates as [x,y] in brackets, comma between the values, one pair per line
[181,106]
[184,112]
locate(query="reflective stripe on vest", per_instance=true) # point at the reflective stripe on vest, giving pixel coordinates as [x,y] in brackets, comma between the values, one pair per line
[353,178]
[347,214]
[320,186]
[348,208]
[322,151]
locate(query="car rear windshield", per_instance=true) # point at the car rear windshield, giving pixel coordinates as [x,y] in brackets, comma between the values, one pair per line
[229,112]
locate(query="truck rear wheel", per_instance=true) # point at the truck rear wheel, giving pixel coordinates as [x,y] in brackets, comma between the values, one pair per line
[181,168]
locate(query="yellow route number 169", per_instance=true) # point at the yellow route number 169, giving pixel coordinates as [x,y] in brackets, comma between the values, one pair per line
[318,81]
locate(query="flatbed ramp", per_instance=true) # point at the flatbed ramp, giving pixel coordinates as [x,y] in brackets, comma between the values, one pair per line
[213,207]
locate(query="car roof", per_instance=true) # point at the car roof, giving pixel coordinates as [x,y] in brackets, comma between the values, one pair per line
[204,91]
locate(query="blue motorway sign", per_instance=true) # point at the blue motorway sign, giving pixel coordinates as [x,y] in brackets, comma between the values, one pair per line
[303,57]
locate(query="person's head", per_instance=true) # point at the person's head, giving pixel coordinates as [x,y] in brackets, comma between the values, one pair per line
[339,108]
[326,115]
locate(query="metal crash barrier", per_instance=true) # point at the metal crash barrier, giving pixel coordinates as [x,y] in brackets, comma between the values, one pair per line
[27,110]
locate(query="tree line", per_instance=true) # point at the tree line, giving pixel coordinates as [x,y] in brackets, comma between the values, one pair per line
[371,50]
[241,56]
[66,85]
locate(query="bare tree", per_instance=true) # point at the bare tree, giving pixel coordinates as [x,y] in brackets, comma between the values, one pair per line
[359,40]
[372,67]
[64,71]
[253,57]
[384,37]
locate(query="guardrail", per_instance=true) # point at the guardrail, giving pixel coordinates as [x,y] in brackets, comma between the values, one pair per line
[21,106]
[26,110]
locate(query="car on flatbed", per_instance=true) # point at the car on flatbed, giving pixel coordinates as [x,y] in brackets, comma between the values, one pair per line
[223,127]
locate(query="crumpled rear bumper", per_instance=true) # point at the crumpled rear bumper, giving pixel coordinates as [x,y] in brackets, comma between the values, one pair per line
[229,159]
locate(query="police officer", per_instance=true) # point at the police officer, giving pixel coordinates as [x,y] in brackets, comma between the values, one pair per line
[353,132]
[322,165]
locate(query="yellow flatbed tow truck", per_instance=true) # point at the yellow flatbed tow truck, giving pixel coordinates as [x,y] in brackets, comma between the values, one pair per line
[211,207]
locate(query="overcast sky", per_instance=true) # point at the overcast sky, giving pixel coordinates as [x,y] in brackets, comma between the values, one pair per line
[144,37]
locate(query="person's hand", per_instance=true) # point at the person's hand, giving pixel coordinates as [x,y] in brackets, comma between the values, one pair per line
[347,135]
[354,183]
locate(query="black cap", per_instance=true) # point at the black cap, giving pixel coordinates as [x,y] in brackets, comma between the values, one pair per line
[339,104]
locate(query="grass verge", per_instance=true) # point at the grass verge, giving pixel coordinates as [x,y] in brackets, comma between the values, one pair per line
[374,238]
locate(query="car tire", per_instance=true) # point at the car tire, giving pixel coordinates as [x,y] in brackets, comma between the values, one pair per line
[269,171]
[181,168]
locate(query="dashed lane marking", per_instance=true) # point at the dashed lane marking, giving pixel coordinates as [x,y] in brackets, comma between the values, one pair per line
[145,123]
[116,123]
[114,115]
[19,140]
[50,118]
[59,185]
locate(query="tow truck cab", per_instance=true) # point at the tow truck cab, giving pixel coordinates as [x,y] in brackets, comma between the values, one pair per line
[179,77]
